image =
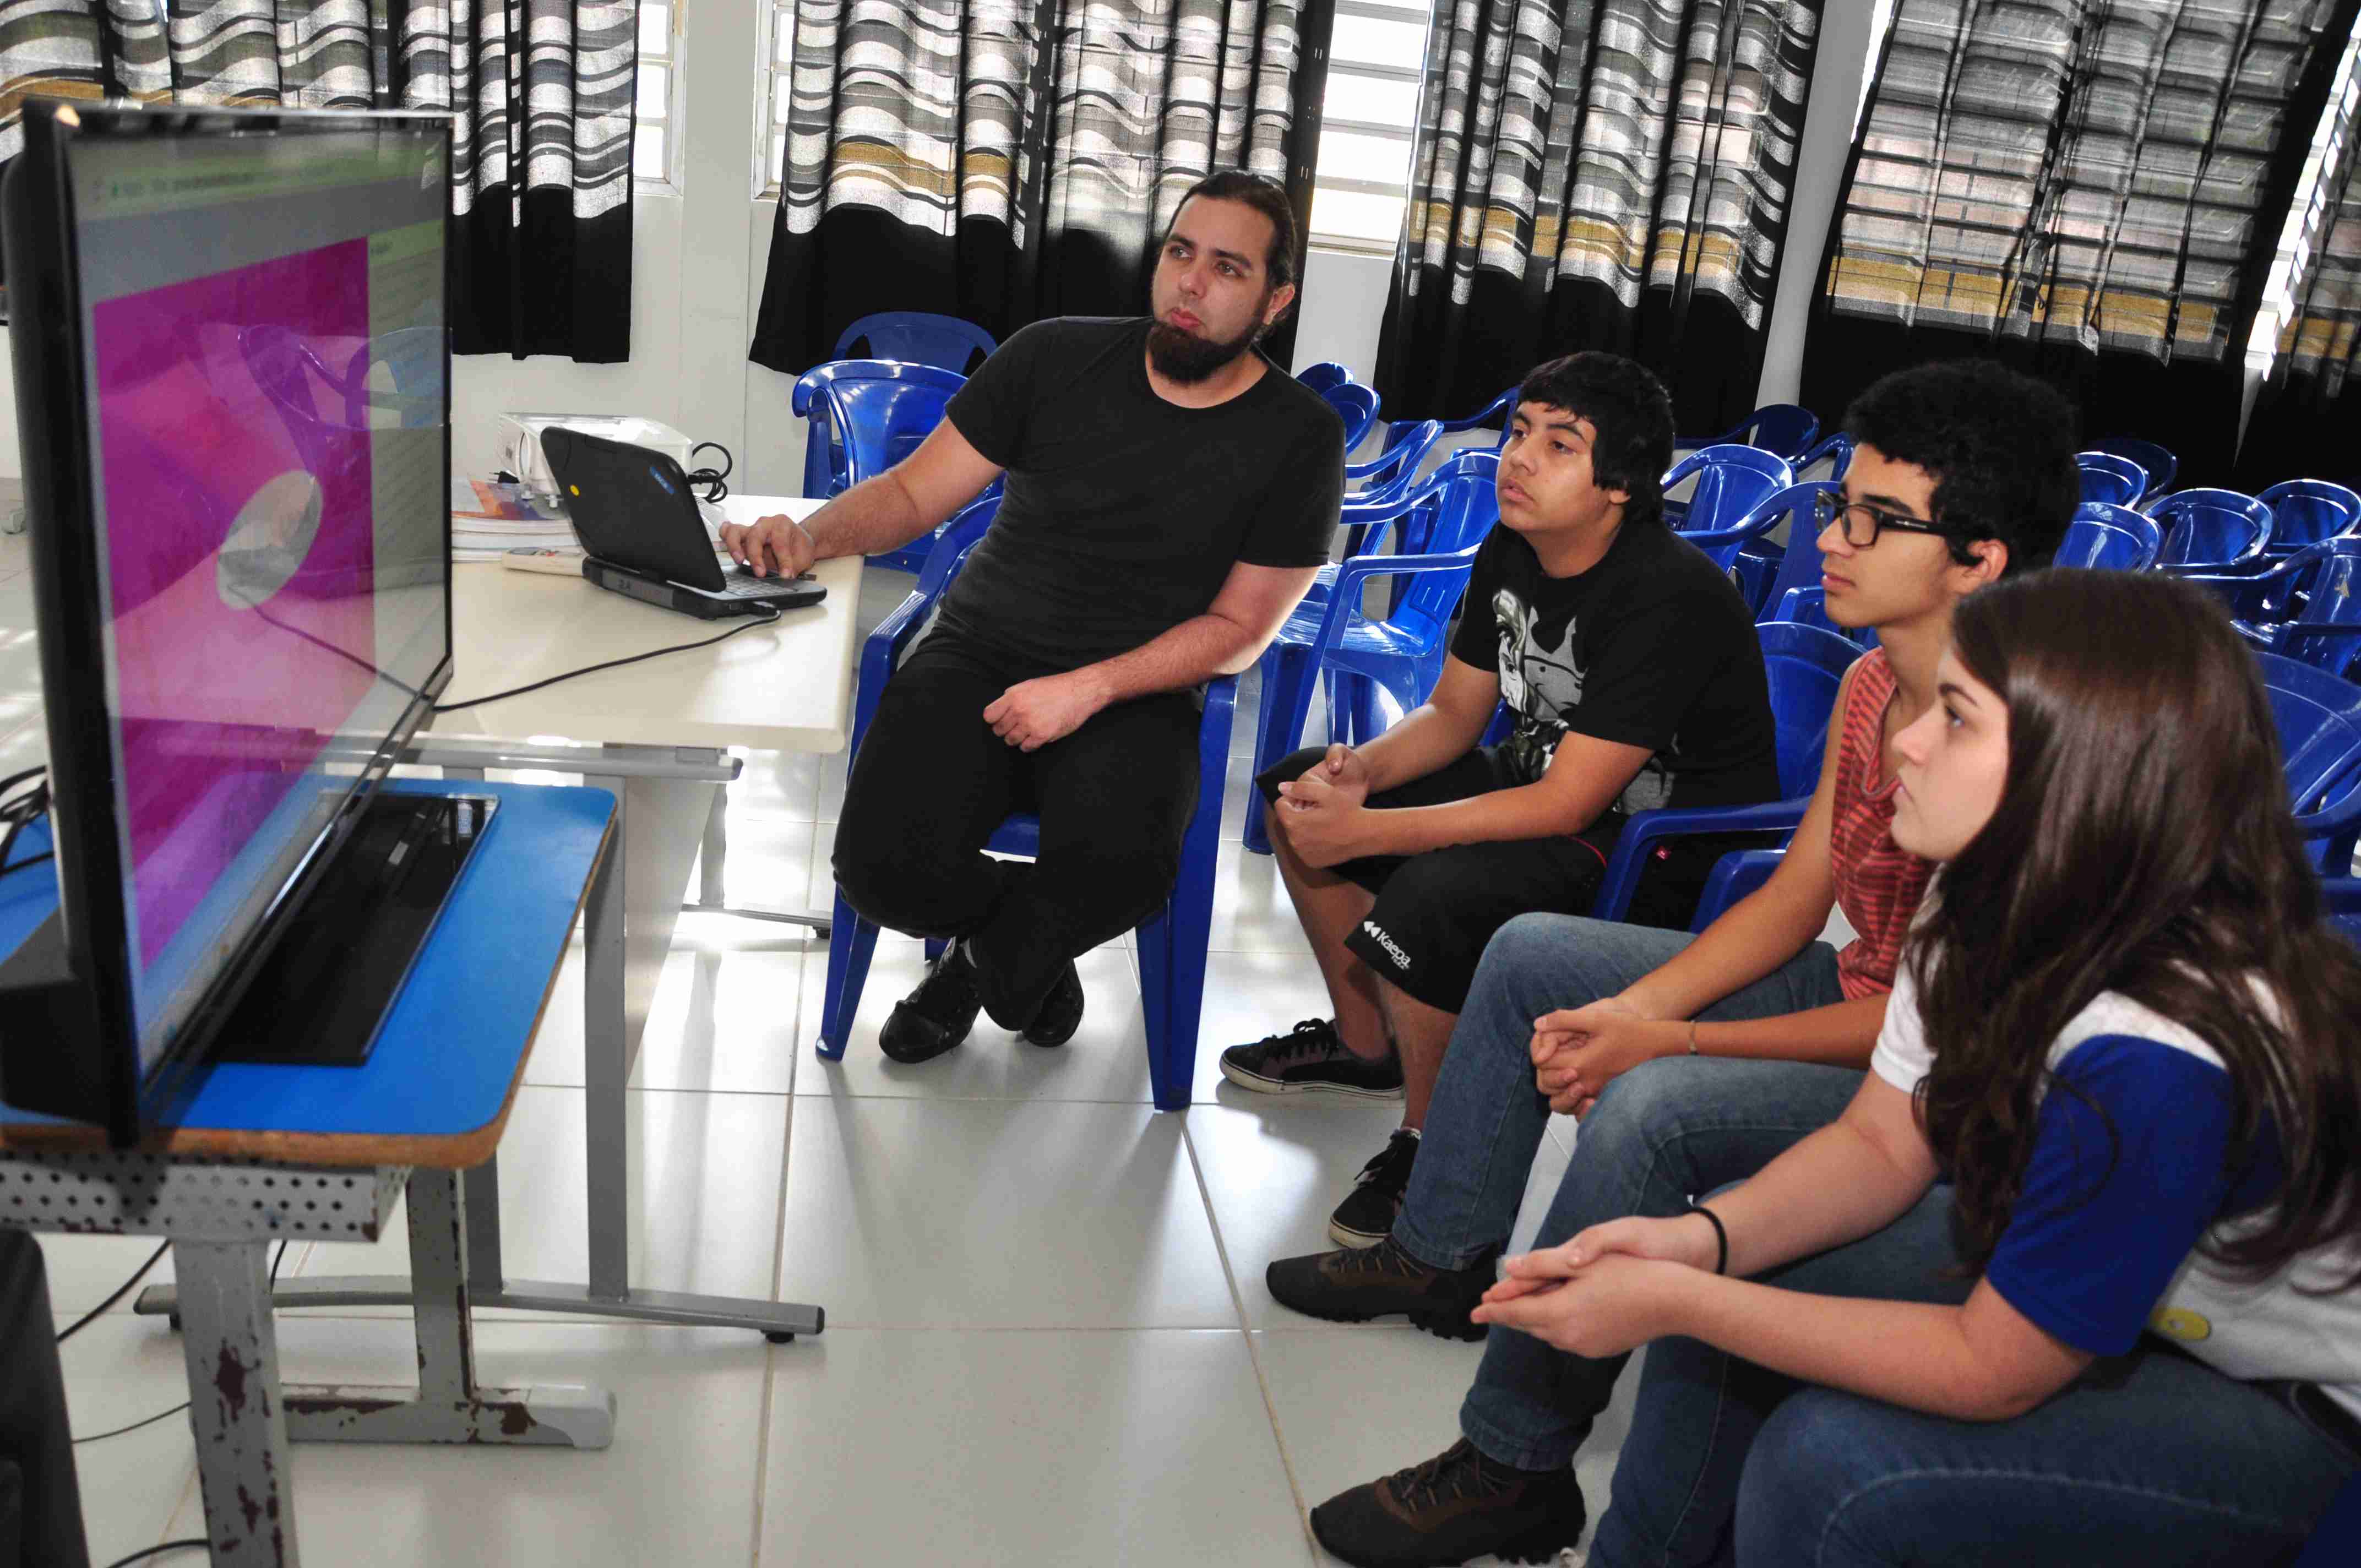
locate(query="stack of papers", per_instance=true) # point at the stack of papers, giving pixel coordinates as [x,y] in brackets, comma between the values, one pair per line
[490,517]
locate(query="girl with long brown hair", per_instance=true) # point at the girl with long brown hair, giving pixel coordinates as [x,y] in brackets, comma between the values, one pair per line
[2075,1278]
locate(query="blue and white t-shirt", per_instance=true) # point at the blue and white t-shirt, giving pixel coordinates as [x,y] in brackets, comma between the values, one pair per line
[2103,1242]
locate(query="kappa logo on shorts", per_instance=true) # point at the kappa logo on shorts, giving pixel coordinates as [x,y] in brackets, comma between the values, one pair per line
[1400,958]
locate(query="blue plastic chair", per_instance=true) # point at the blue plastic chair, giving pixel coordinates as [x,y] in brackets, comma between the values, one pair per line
[1502,409]
[1784,430]
[1729,482]
[2318,719]
[2108,538]
[1171,943]
[1395,470]
[1733,877]
[1836,450]
[916,338]
[2158,463]
[2308,511]
[1355,404]
[1324,374]
[2306,606]
[2220,532]
[2116,481]
[1791,504]
[865,416]
[1798,566]
[1805,666]
[2342,895]
[1331,639]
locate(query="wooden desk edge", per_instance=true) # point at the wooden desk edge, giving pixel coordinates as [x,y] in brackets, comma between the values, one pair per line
[444,1151]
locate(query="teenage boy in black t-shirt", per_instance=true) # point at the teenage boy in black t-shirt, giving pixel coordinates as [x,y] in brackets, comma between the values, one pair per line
[1636,681]
[1171,494]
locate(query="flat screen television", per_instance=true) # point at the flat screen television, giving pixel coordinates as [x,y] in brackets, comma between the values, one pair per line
[232,398]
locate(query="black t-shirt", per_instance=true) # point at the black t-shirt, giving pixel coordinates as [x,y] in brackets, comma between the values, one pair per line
[1650,647]
[1124,513]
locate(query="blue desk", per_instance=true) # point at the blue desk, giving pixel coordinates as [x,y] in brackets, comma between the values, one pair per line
[276,1153]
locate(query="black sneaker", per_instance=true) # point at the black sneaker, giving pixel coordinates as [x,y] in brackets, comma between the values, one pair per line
[936,1016]
[1060,1014]
[1456,1506]
[1310,1056]
[1367,1215]
[1361,1283]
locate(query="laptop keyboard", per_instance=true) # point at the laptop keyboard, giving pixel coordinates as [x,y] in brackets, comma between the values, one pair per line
[738,585]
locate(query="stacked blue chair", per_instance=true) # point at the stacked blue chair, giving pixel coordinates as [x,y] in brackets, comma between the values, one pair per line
[1500,410]
[874,414]
[2319,721]
[1324,374]
[1728,481]
[2111,479]
[1331,641]
[1805,666]
[1356,405]
[916,338]
[2218,532]
[1785,430]
[2310,511]
[1798,566]
[2158,463]
[1791,504]
[2306,606]
[2108,538]
[2342,895]
[1172,944]
[1836,450]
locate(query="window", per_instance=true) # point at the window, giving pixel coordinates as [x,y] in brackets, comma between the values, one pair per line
[2313,200]
[778,85]
[654,145]
[1368,121]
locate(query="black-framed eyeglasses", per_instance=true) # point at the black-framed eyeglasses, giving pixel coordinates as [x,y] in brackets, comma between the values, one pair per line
[1862,521]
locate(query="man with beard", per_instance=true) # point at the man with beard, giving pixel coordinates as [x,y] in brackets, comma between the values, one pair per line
[1171,494]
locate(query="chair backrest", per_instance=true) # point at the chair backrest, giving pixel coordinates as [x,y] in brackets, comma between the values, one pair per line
[954,542]
[2318,719]
[917,338]
[2106,476]
[1800,566]
[1787,430]
[2156,462]
[1324,374]
[1837,450]
[880,409]
[1806,665]
[1502,409]
[1355,404]
[2211,528]
[1465,495]
[1809,606]
[2330,579]
[2108,538]
[2310,511]
[1732,480]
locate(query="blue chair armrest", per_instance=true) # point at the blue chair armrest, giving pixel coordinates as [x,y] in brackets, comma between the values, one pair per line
[1646,828]
[2297,631]
[1738,874]
[1484,415]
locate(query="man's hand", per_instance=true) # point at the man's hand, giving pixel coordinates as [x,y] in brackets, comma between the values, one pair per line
[1347,774]
[1323,824]
[1031,714]
[1577,1052]
[776,545]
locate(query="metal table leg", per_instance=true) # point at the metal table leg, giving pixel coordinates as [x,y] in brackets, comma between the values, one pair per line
[716,853]
[231,1347]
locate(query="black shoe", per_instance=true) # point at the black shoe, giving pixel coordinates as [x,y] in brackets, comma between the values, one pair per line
[937,1015]
[1310,1056]
[1060,1014]
[1361,1283]
[1366,1216]
[1456,1506]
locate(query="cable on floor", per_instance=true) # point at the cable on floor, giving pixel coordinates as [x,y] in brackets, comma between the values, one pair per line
[151,1420]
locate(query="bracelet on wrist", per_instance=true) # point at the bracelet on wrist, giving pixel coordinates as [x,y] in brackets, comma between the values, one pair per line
[1720,1236]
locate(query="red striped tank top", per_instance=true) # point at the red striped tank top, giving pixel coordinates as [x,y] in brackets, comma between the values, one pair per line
[1878,883]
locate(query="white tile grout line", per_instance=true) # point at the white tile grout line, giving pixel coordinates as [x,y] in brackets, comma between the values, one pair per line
[1253,1357]
[771,1353]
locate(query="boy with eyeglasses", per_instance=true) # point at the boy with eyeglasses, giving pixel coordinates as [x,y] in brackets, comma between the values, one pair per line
[1692,1060]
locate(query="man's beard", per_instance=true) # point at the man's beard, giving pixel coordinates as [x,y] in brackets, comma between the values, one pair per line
[1185,358]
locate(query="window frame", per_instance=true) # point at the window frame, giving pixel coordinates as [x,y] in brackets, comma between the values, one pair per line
[776,78]
[670,182]
[1369,71]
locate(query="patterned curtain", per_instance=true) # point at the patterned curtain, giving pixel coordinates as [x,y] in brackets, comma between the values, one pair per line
[1597,174]
[540,265]
[2093,189]
[1006,160]
[2308,417]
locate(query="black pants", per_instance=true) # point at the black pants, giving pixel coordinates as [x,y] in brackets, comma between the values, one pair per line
[40,1504]
[931,781]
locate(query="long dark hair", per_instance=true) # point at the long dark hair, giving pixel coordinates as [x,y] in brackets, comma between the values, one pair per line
[2143,845]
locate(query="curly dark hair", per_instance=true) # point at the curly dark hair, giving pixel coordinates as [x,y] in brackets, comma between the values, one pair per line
[2143,845]
[1631,414]
[1999,446]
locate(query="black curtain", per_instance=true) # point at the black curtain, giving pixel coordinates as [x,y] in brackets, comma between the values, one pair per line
[2091,189]
[2307,419]
[1597,174]
[541,244]
[1023,162]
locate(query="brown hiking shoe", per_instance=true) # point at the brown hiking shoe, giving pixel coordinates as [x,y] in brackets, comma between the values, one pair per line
[1458,1506]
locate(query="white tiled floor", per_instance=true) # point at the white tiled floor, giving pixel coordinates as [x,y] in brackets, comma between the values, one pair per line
[1047,1342]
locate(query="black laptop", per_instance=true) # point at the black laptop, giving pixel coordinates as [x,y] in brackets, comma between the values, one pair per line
[643,536]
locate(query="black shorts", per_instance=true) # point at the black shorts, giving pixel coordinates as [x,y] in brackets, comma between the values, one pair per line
[1436,911]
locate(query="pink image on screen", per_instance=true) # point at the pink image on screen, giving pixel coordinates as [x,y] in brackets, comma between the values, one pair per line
[240,547]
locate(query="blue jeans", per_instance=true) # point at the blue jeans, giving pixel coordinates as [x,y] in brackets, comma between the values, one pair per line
[2149,1458]
[1661,1132]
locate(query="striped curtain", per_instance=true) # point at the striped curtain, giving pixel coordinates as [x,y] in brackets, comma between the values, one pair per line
[2093,188]
[1597,174]
[541,263]
[1006,160]
[2307,420]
